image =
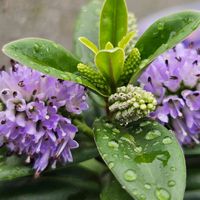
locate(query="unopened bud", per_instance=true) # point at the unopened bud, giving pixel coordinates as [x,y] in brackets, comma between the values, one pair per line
[131,103]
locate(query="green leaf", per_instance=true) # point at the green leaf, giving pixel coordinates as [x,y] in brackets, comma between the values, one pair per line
[70,183]
[113,22]
[55,61]
[88,26]
[114,191]
[90,45]
[110,63]
[145,158]
[41,53]
[12,168]
[126,39]
[163,35]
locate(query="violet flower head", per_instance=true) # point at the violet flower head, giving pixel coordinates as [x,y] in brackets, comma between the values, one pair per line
[30,119]
[174,79]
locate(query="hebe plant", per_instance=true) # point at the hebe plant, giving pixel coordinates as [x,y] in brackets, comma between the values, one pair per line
[144,156]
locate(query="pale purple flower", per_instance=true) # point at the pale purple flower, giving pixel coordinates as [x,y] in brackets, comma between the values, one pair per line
[31,123]
[174,79]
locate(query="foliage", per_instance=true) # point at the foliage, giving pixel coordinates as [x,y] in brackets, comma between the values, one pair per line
[144,156]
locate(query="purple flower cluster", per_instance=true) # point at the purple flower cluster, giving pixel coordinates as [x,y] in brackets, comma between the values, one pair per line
[30,119]
[174,79]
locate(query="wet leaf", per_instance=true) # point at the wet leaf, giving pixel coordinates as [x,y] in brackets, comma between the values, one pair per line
[163,35]
[145,158]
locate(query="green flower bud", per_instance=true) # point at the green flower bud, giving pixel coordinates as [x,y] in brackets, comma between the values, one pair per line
[131,103]
[93,76]
[132,27]
[131,64]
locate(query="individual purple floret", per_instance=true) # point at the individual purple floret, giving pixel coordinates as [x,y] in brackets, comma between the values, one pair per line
[174,80]
[30,119]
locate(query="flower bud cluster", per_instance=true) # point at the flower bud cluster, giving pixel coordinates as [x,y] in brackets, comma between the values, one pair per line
[131,103]
[131,63]
[93,76]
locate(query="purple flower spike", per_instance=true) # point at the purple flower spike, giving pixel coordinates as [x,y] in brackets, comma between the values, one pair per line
[31,123]
[174,80]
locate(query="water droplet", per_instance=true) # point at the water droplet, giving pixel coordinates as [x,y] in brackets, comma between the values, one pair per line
[105,137]
[104,156]
[161,26]
[108,125]
[138,149]
[46,70]
[127,157]
[113,144]
[115,131]
[171,183]
[135,192]
[167,140]
[111,165]
[142,197]
[173,169]
[36,48]
[145,123]
[147,186]
[152,135]
[162,194]
[130,175]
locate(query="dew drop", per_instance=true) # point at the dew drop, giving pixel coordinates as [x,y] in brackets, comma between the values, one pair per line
[145,123]
[127,157]
[161,26]
[113,144]
[162,194]
[130,175]
[111,165]
[108,125]
[142,197]
[115,131]
[171,183]
[173,169]
[152,135]
[135,192]
[46,70]
[167,140]
[105,137]
[138,149]
[147,186]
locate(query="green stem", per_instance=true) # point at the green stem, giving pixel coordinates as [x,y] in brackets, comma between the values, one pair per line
[83,127]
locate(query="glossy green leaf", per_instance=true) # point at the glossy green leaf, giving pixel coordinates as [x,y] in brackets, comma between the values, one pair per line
[165,34]
[46,62]
[145,158]
[126,39]
[69,184]
[12,168]
[113,22]
[88,26]
[41,53]
[110,63]
[90,45]
[114,191]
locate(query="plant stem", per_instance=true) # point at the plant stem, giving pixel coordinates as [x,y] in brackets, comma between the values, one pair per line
[84,128]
